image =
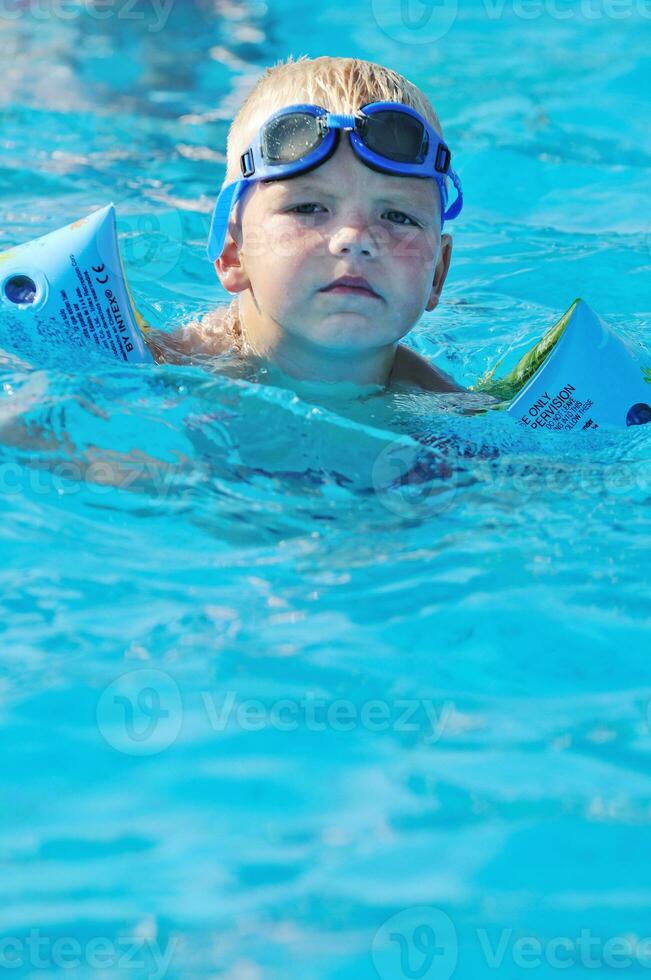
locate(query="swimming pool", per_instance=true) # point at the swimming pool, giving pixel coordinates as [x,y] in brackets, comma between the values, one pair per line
[267,710]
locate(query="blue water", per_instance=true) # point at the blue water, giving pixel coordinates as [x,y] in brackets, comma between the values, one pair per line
[270,710]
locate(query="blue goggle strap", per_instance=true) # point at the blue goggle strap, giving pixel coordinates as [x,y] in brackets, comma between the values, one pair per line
[226,201]
[455,208]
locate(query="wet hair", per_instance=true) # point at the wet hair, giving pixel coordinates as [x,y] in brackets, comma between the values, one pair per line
[338,84]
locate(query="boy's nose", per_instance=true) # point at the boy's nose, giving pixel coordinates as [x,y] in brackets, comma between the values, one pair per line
[356,236]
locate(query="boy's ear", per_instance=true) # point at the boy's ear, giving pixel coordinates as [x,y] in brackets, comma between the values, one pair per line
[229,266]
[441,272]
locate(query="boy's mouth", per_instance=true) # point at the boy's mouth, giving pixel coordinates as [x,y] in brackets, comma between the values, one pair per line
[351,285]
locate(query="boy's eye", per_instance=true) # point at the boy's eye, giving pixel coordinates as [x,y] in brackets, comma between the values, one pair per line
[401,214]
[398,214]
[310,205]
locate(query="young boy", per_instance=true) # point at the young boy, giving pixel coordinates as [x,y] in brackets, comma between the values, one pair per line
[331,236]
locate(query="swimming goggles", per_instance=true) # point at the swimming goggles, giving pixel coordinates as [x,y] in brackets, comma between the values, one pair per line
[387,136]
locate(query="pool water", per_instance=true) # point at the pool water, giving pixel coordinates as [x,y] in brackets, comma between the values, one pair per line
[324,686]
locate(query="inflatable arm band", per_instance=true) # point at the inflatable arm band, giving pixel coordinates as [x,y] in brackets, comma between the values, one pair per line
[579,376]
[69,287]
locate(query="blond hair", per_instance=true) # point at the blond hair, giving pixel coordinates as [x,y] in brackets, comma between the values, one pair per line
[339,84]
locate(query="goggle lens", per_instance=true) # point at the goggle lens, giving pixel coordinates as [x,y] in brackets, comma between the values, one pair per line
[395,135]
[290,137]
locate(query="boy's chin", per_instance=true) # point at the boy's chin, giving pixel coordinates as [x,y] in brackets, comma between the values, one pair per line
[349,332]
[351,346]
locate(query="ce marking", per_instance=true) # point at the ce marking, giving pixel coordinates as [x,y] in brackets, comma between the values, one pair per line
[98,269]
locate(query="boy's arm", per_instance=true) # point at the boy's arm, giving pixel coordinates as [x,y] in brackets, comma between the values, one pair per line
[44,447]
[41,449]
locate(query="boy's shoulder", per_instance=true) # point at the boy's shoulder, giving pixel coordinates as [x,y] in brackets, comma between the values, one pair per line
[412,368]
[211,335]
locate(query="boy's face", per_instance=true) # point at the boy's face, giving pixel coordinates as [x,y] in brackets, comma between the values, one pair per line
[341,219]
